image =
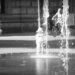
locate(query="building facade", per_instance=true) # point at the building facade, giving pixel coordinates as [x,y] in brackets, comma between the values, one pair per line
[22,15]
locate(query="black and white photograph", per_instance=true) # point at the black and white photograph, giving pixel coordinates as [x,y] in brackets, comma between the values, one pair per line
[37,37]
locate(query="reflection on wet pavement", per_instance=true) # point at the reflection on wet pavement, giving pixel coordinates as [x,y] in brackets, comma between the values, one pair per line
[22,64]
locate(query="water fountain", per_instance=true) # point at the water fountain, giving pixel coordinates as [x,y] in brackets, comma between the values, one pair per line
[64,48]
[42,50]
[42,34]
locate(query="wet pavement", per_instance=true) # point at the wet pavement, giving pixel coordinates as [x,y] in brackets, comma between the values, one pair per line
[23,64]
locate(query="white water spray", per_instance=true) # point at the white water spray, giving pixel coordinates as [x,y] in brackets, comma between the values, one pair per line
[65,35]
[42,32]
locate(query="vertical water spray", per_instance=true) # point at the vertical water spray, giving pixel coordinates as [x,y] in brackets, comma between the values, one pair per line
[65,35]
[42,32]
[45,20]
[39,34]
[66,15]
[39,14]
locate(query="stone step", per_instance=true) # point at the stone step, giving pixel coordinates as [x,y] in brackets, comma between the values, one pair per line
[30,50]
[29,42]
[33,38]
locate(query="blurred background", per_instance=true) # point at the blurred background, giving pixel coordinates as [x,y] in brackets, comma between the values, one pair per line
[21,16]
